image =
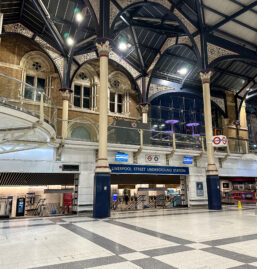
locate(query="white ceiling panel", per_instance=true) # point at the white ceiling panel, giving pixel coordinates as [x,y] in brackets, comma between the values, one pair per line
[245,2]
[249,18]
[224,6]
[240,31]
[211,18]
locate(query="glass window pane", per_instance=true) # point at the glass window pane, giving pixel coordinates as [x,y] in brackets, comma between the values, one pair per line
[112,97]
[29,93]
[120,98]
[112,107]
[41,83]
[38,96]
[30,80]
[76,101]
[86,103]
[86,92]
[77,90]
[119,108]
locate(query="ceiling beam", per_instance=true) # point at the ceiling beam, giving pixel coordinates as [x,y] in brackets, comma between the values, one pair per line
[229,18]
[184,59]
[242,5]
[222,73]
[202,30]
[50,25]
[231,73]
[135,41]
[22,7]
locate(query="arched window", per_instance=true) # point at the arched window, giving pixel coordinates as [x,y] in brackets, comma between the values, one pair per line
[37,72]
[119,88]
[81,132]
[84,89]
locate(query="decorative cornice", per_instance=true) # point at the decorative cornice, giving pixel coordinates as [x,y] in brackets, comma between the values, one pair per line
[190,27]
[114,11]
[198,43]
[96,7]
[127,66]
[18,28]
[85,57]
[215,52]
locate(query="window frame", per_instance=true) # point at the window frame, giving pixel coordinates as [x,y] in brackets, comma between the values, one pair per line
[36,76]
[82,97]
[124,103]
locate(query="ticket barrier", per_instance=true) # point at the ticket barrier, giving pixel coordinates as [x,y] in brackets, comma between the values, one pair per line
[5,207]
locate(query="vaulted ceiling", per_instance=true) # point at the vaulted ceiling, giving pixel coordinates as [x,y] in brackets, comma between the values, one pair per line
[147,25]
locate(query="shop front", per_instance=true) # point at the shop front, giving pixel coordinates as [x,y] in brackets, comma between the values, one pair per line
[142,187]
[234,189]
[36,194]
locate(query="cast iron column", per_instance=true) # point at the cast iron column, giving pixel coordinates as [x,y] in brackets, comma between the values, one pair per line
[213,183]
[102,172]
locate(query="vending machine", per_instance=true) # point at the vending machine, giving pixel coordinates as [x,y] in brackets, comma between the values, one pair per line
[20,207]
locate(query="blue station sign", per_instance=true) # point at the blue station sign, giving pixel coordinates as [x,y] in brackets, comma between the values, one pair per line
[147,169]
[188,160]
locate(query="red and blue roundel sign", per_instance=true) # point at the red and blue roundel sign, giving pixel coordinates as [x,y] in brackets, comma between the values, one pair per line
[219,141]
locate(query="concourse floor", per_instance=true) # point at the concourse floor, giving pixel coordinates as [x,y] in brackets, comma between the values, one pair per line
[187,238]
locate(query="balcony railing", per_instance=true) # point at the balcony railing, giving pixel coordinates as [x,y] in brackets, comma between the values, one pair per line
[21,96]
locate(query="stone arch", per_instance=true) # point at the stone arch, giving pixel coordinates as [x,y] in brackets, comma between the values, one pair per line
[124,83]
[88,124]
[52,53]
[89,71]
[125,67]
[38,56]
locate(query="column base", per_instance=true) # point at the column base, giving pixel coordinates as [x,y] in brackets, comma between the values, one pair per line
[213,189]
[102,192]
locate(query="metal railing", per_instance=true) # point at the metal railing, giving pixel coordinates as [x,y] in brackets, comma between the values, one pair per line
[21,96]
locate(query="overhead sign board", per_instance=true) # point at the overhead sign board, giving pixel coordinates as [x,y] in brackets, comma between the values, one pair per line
[148,169]
[219,141]
[188,160]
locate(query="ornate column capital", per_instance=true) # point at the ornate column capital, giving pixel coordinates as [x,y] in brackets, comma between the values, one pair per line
[144,107]
[206,76]
[103,48]
[66,93]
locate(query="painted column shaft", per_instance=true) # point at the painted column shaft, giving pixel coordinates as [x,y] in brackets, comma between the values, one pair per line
[102,162]
[144,110]
[145,118]
[211,169]
[65,115]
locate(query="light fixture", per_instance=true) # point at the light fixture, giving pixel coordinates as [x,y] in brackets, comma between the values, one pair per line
[70,41]
[183,71]
[123,45]
[79,18]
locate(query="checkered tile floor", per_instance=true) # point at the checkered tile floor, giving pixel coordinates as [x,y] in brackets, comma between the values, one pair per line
[189,239]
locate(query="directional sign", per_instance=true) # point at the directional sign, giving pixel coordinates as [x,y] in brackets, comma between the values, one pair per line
[219,141]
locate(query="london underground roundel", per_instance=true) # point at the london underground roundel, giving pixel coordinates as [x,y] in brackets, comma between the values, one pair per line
[219,141]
